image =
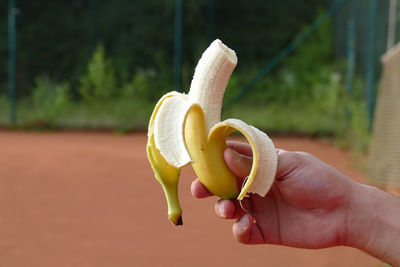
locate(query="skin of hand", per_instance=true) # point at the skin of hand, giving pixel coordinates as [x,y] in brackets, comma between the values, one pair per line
[310,205]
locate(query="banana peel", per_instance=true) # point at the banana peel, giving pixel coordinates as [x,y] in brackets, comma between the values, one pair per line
[186,129]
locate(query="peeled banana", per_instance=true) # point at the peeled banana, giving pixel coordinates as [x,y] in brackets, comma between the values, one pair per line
[186,129]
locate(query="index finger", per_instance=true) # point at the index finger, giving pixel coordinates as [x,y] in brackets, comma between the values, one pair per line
[199,190]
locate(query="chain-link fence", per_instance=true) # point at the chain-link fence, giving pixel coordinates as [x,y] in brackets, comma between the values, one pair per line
[74,57]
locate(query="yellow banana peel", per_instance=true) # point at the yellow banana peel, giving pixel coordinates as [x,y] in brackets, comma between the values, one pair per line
[186,129]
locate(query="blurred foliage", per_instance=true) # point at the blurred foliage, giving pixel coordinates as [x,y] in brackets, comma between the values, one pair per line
[4,109]
[50,100]
[57,38]
[99,83]
[306,95]
[74,73]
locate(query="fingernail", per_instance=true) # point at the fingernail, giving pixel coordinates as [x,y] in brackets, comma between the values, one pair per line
[221,209]
[243,223]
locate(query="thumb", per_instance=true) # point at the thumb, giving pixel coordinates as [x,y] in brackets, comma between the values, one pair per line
[239,164]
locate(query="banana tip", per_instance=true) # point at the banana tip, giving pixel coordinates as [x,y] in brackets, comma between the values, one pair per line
[178,221]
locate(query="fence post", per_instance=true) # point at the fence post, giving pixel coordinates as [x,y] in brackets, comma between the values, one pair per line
[178,45]
[11,59]
[93,15]
[351,53]
[210,21]
[371,64]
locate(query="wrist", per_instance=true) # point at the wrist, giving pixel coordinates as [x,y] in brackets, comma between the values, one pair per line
[373,223]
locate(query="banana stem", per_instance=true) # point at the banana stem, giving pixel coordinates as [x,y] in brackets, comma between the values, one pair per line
[174,208]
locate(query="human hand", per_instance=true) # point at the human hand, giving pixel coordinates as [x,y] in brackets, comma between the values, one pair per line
[306,207]
[310,205]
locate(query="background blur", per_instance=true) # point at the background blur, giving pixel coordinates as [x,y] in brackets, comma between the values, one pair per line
[103,64]
[306,68]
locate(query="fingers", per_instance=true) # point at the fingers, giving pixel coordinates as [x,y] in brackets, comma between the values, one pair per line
[225,209]
[246,231]
[198,190]
[239,164]
[231,209]
[238,158]
[241,147]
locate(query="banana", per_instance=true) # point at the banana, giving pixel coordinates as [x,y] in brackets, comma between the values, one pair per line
[186,129]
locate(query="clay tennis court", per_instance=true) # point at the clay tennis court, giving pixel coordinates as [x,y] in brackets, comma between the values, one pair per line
[89,199]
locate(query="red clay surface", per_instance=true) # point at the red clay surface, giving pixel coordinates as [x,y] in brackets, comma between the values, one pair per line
[89,199]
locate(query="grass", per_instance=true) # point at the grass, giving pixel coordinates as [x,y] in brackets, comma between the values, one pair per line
[289,118]
[118,116]
[4,110]
[129,114]
[344,124]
